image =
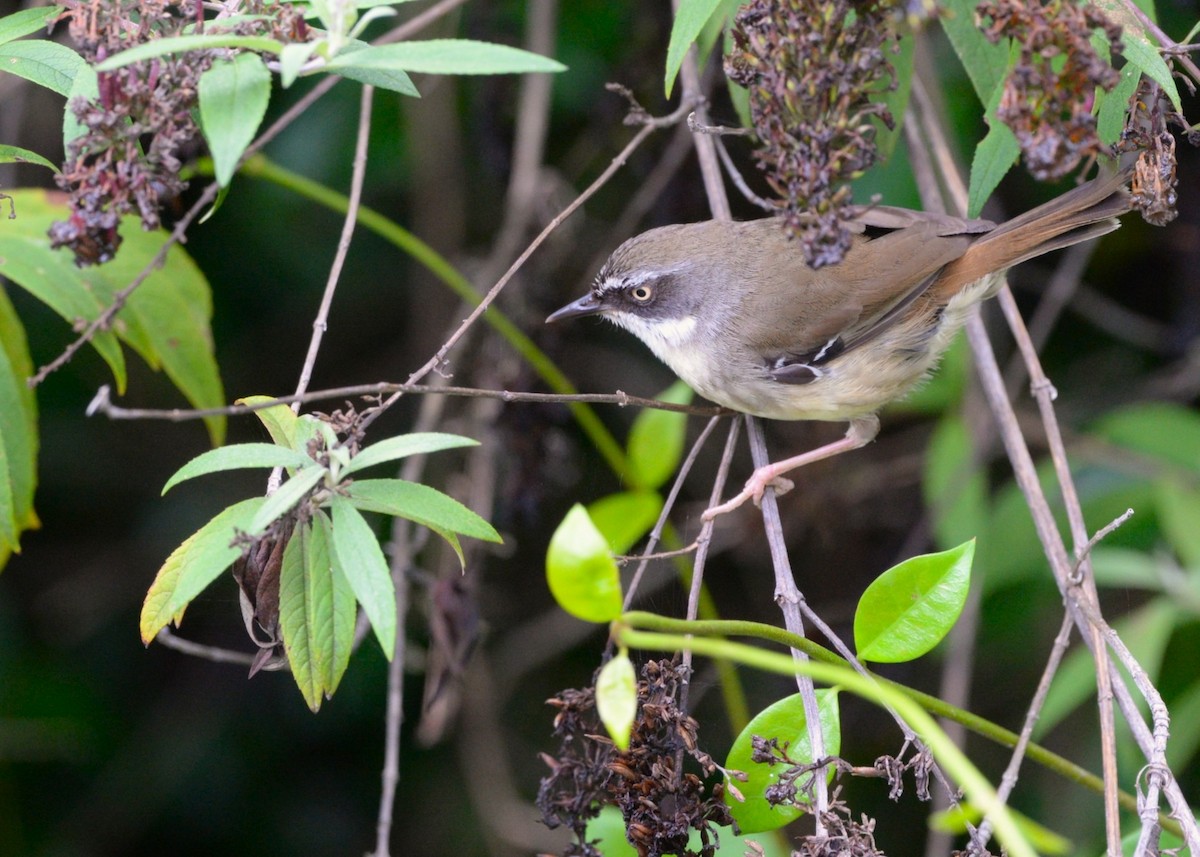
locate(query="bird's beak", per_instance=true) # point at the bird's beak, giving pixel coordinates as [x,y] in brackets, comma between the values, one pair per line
[589,304]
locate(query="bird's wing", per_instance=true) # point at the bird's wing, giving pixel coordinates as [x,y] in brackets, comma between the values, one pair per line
[890,264]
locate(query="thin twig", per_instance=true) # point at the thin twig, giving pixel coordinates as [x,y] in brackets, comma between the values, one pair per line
[1009,780]
[656,532]
[102,402]
[438,358]
[789,598]
[199,650]
[104,321]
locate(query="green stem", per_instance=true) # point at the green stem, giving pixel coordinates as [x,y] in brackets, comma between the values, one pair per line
[951,758]
[980,726]
[261,168]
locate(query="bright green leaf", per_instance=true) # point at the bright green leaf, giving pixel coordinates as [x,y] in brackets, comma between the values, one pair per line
[690,18]
[402,446]
[1140,49]
[623,518]
[85,86]
[394,80]
[607,831]
[303,584]
[291,492]
[239,455]
[316,612]
[182,44]
[415,502]
[27,21]
[985,63]
[18,431]
[292,60]
[195,564]
[279,420]
[446,56]
[166,320]
[357,555]
[17,155]
[233,100]
[47,64]
[616,698]
[582,574]
[908,609]
[1110,117]
[656,440]
[786,722]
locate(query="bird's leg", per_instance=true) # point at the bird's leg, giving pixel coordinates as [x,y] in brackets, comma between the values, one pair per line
[861,432]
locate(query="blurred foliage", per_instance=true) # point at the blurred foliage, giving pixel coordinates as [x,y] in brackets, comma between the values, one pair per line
[107,748]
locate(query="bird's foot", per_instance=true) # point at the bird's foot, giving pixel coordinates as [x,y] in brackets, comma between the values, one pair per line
[763,478]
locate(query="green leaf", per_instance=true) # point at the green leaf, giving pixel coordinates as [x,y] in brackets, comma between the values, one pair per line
[27,21]
[908,609]
[1110,117]
[955,486]
[47,64]
[195,564]
[1125,568]
[402,446]
[182,44]
[356,553]
[1178,508]
[279,420]
[17,155]
[291,492]
[607,831]
[316,612]
[238,456]
[616,698]
[690,18]
[896,100]
[445,56]
[623,518]
[1146,631]
[582,574]
[166,320]
[994,156]
[292,59]
[656,440]
[784,721]
[233,100]
[1043,839]
[1166,432]
[1140,48]
[986,64]
[394,80]
[86,86]
[18,432]
[415,502]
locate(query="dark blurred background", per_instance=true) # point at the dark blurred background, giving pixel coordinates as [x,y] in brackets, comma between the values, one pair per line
[109,748]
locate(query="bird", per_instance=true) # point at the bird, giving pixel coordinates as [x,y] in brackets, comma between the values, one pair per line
[737,313]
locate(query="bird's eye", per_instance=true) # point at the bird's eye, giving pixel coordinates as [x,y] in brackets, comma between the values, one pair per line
[641,294]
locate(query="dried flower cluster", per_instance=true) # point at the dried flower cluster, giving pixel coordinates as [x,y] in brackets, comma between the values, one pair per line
[812,69]
[129,157]
[1048,97]
[1154,187]
[661,804]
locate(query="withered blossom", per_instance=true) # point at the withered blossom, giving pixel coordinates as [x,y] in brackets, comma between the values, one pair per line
[1048,96]
[815,71]
[661,803]
[129,156]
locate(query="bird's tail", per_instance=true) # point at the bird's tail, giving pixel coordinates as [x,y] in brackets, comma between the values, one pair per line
[1085,212]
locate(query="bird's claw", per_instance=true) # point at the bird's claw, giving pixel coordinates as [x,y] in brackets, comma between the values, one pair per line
[763,478]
